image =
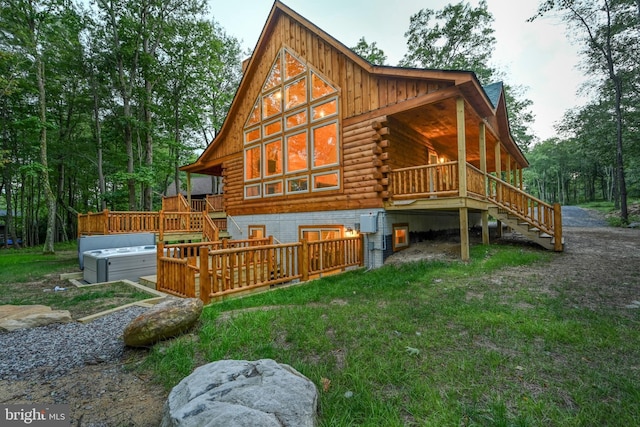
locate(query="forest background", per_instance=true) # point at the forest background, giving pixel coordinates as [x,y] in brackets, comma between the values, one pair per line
[102,102]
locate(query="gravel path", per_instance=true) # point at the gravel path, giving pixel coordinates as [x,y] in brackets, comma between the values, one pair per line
[52,351]
[573,216]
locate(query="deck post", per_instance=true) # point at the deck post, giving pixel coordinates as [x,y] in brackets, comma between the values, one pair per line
[557,227]
[189,189]
[205,281]
[482,146]
[464,234]
[498,190]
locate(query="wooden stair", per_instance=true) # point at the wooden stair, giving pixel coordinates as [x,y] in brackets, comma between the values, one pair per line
[528,229]
[219,215]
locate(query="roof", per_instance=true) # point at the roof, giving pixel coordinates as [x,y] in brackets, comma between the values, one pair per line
[485,100]
[493,91]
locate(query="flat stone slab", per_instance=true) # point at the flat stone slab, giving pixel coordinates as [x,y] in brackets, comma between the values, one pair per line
[14,317]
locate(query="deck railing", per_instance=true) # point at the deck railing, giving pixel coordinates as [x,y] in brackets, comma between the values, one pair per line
[439,179]
[177,203]
[215,202]
[526,207]
[234,266]
[119,222]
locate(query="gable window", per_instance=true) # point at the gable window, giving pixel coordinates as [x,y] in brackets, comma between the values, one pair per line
[291,136]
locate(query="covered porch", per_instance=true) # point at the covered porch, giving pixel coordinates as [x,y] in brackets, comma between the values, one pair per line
[454,153]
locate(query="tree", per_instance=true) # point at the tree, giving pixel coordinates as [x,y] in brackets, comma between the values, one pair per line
[457,37]
[32,28]
[460,37]
[370,52]
[608,32]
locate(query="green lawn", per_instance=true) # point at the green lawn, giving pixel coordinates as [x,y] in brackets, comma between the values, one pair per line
[432,344]
[29,277]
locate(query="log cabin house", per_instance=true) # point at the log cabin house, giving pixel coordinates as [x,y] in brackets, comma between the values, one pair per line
[329,162]
[319,144]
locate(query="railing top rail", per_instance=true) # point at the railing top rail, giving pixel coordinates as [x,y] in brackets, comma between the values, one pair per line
[255,247]
[469,165]
[516,189]
[435,165]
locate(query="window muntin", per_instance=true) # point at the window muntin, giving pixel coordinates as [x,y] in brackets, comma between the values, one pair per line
[319,87]
[273,188]
[252,163]
[254,117]
[286,145]
[325,145]
[273,156]
[324,110]
[271,104]
[274,79]
[297,152]
[272,128]
[292,66]
[298,185]
[295,94]
[251,191]
[326,181]
[251,135]
[296,119]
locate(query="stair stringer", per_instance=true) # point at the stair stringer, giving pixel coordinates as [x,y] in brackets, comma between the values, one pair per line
[526,228]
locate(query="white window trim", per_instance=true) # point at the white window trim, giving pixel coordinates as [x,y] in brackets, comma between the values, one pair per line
[286,152]
[312,147]
[258,186]
[293,178]
[331,172]
[264,189]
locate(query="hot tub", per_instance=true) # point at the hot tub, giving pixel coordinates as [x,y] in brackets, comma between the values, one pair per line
[131,263]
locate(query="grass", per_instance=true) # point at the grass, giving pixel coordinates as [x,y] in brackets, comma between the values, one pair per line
[29,277]
[432,344]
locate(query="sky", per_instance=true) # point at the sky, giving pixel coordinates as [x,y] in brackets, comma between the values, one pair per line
[536,56]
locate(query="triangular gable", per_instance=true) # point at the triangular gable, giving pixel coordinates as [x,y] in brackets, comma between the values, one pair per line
[227,144]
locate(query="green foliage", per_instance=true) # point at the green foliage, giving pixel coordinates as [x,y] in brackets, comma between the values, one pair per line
[133,88]
[458,37]
[370,52]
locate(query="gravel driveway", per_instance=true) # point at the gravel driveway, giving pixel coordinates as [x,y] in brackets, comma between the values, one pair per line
[573,216]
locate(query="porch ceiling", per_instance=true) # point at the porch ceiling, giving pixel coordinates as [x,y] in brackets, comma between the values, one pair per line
[437,123]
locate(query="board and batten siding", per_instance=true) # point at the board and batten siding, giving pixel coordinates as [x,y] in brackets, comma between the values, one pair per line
[360,92]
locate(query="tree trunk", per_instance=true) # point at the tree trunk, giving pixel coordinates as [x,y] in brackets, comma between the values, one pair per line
[622,186]
[96,118]
[50,197]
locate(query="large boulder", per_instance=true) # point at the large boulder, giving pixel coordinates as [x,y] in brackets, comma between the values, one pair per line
[239,393]
[164,320]
[14,317]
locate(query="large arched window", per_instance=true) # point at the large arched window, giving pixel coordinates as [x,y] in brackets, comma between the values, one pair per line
[291,137]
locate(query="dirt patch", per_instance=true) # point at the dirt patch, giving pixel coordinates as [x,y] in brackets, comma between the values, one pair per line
[106,394]
[598,268]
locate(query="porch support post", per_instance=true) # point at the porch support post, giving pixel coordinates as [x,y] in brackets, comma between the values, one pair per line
[462,179]
[462,149]
[464,234]
[508,171]
[499,176]
[482,146]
